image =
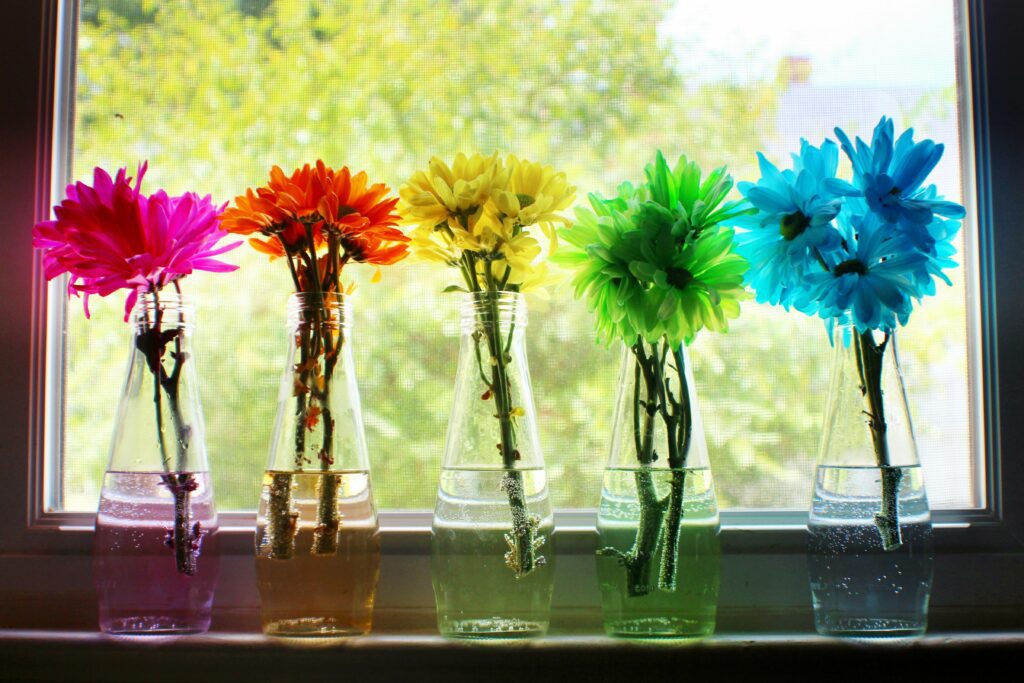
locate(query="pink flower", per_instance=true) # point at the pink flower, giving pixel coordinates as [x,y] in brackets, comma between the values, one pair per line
[110,236]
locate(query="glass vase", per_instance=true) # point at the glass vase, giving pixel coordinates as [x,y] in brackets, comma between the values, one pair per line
[492,560]
[657,524]
[870,551]
[317,540]
[155,559]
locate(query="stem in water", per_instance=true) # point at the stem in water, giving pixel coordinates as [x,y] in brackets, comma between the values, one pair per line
[869,356]
[660,518]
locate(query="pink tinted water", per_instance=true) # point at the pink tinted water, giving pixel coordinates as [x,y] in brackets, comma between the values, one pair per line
[139,586]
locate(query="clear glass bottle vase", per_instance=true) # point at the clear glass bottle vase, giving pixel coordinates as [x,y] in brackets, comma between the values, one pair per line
[492,555]
[155,560]
[870,551]
[658,524]
[317,540]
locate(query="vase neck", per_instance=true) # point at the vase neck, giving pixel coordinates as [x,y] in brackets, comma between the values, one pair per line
[319,425]
[502,311]
[867,419]
[657,421]
[167,310]
[493,423]
[159,425]
[310,308]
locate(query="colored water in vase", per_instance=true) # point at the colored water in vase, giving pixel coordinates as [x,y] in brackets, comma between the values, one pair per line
[140,587]
[478,595]
[654,608]
[858,588]
[314,593]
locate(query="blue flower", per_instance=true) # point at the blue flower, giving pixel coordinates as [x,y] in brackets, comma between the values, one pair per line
[792,226]
[872,280]
[891,177]
[940,232]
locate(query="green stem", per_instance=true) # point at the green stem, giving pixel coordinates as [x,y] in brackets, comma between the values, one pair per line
[522,540]
[638,561]
[328,519]
[679,425]
[183,537]
[685,411]
[646,455]
[870,356]
[180,524]
[153,361]
[660,519]
[281,520]
[668,577]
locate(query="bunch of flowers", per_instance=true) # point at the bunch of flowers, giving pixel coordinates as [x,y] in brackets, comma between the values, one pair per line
[861,252]
[477,216]
[656,266]
[858,253]
[110,236]
[319,220]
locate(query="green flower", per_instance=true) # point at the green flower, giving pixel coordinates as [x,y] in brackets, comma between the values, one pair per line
[653,261]
[597,248]
[696,205]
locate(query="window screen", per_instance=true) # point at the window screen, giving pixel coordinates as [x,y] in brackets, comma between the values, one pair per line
[213,93]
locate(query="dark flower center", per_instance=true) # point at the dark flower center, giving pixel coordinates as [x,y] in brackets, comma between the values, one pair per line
[851,266]
[679,277]
[354,248]
[793,224]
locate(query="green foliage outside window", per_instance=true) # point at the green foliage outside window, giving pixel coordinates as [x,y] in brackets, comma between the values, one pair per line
[214,93]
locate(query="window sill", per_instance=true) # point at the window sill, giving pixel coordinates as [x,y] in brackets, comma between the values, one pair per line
[224,656]
[760,592]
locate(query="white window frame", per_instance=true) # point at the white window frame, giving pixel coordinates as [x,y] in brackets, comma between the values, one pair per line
[764,583]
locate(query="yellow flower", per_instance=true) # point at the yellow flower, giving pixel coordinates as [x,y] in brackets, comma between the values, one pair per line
[534,195]
[430,244]
[476,214]
[513,261]
[453,195]
[538,280]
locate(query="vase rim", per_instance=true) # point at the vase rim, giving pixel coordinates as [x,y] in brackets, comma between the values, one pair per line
[149,302]
[487,307]
[311,298]
[334,304]
[148,297]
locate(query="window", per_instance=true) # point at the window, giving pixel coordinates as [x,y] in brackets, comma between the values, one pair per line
[601,86]
[44,551]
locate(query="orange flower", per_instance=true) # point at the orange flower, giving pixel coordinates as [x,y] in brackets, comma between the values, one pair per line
[381,247]
[320,202]
[251,213]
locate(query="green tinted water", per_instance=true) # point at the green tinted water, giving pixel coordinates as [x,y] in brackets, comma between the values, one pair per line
[653,610]
[478,595]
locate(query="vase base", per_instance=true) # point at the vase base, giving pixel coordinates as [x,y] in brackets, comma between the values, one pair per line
[314,627]
[869,627]
[149,625]
[660,628]
[492,628]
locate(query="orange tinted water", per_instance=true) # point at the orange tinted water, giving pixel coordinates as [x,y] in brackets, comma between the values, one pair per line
[322,595]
